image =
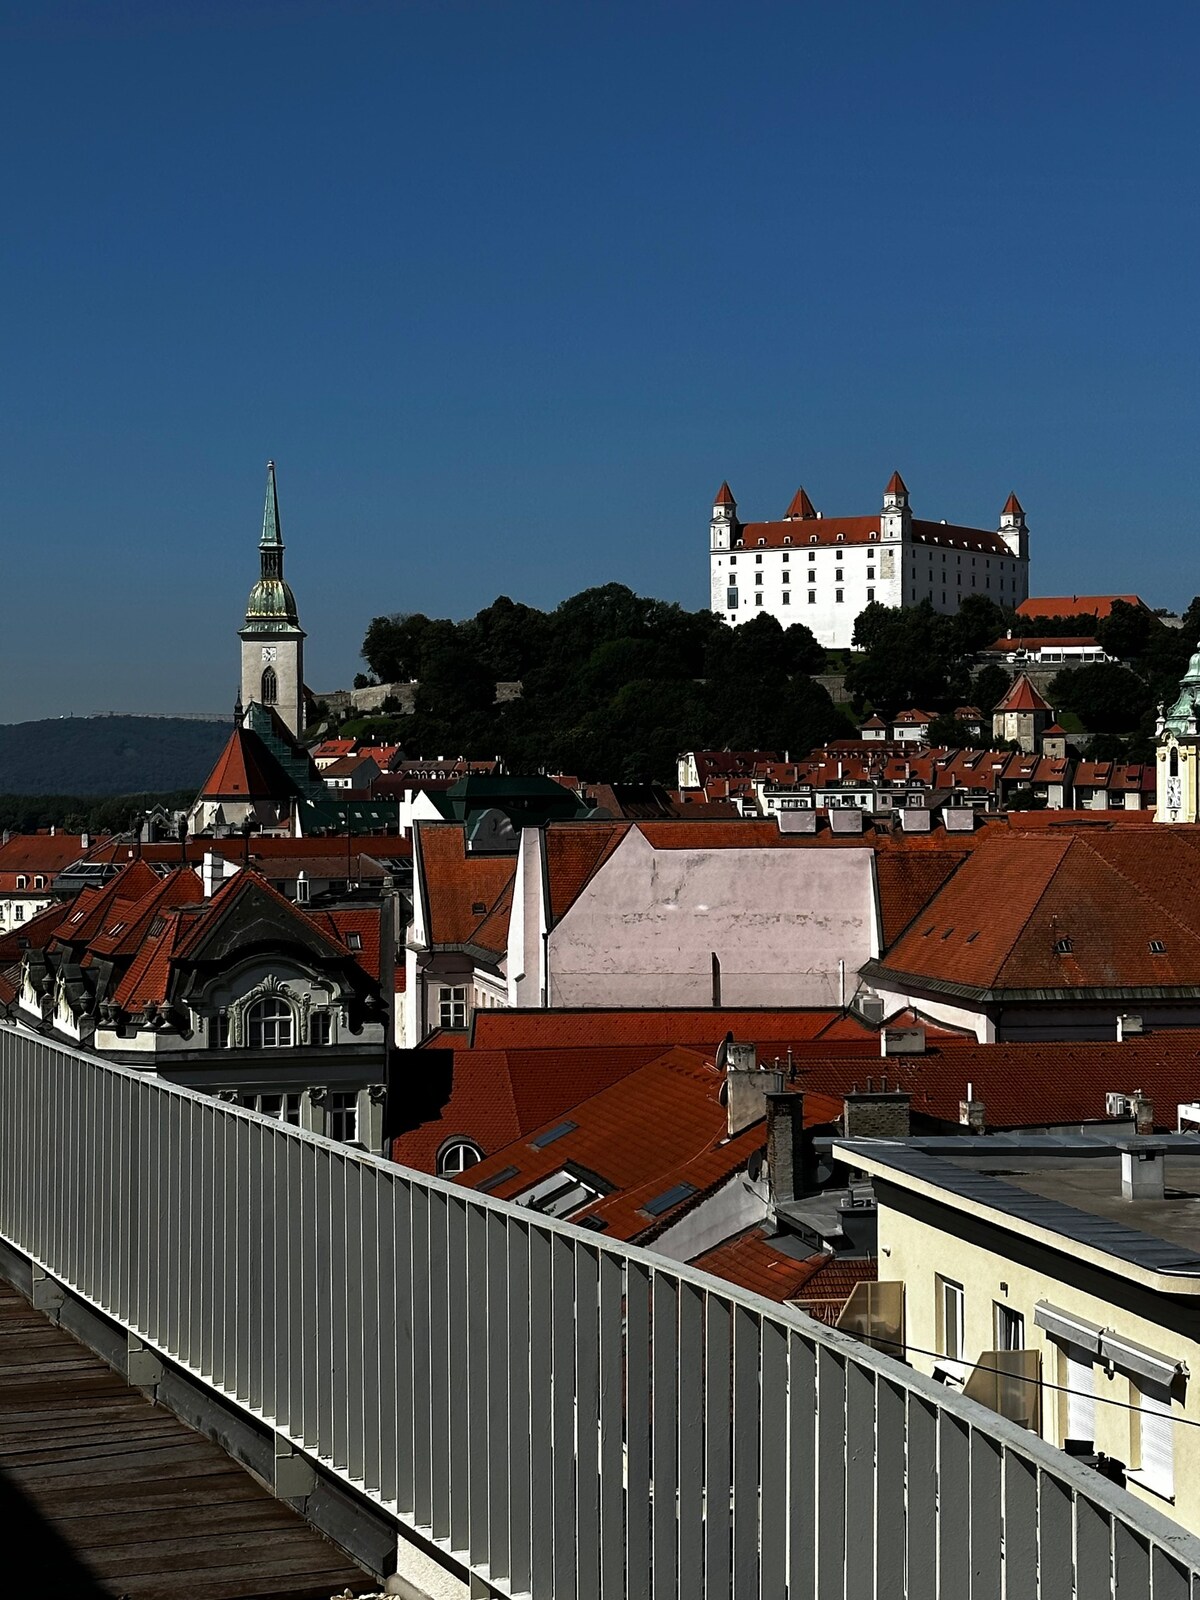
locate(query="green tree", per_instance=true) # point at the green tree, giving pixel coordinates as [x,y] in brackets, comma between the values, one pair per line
[1106,697]
[978,621]
[988,687]
[1125,632]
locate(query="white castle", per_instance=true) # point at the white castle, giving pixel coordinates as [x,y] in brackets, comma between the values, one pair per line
[823,571]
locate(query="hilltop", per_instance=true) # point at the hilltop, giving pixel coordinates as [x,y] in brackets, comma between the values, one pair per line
[107,755]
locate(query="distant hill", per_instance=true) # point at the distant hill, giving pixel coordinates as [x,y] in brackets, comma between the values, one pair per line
[107,755]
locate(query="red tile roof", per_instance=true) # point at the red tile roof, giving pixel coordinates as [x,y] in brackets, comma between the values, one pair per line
[896,485]
[703,1028]
[801,506]
[496,1096]
[1022,696]
[1009,645]
[866,530]
[1075,910]
[463,890]
[660,1129]
[819,1284]
[1013,507]
[907,883]
[245,770]
[724,496]
[1075,605]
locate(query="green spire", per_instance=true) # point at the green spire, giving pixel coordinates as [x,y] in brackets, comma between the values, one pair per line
[272,534]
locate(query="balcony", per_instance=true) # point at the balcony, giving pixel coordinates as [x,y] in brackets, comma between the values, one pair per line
[552,1415]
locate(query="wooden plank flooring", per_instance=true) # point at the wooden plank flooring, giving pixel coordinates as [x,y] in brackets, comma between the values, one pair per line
[103,1494]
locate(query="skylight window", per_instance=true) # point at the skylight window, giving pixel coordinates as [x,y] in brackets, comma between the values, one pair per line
[670,1197]
[1157,947]
[1063,947]
[540,1141]
[354,941]
[117,927]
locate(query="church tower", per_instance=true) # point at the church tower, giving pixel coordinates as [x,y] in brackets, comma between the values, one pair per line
[1179,752]
[272,638]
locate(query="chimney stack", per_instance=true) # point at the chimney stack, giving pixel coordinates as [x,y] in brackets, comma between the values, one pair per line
[785,1146]
[746,1085]
[971,1112]
[881,1113]
[1143,1175]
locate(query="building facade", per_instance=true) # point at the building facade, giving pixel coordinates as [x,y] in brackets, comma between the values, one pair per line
[822,571]
[272,638]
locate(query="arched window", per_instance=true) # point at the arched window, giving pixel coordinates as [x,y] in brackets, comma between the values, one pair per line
[270,687]
[456,1155]
[270,1024]
[1173,763]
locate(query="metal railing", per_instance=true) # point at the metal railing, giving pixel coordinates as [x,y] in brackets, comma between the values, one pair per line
[562,1416]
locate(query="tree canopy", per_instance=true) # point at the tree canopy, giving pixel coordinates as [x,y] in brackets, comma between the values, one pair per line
[613,685]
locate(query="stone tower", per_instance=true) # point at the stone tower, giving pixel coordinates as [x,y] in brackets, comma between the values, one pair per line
[1179,752]
[272,638]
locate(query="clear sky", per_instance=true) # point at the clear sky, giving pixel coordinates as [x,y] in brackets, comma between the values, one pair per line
[507,288]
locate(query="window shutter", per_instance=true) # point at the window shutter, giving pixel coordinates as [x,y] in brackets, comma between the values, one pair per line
[1158,1452]
[1081,1399]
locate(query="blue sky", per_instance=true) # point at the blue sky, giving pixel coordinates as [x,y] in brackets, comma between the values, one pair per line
[506,289]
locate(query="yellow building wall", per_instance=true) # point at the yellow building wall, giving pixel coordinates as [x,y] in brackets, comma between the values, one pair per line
[920,1254]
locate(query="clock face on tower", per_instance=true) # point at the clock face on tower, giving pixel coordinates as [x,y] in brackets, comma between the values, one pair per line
[268,654]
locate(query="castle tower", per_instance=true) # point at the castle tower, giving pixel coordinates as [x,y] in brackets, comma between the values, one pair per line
[895,520]
[1179,752]
[724,518]
[1013,529]
[272,638]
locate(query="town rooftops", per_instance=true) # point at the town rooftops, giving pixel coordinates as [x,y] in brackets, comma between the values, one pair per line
[246,770]
[1062,1191]
[1076,605]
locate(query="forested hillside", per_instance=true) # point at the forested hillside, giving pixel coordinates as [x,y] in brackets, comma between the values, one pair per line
[107,755]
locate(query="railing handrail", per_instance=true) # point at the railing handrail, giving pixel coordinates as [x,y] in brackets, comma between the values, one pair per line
[629,1261]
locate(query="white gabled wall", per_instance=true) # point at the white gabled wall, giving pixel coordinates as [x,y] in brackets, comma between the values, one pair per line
[780,920]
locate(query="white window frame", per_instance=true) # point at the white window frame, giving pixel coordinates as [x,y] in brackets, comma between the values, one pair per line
[341,1115]
[457,1156]
[453,1002]
[270,1024]
[951,1299]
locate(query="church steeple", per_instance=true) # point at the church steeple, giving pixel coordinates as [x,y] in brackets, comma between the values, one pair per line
[272,638]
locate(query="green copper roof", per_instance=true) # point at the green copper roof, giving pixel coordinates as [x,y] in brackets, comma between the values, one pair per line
[272,533]
[1187,705]
[271,607]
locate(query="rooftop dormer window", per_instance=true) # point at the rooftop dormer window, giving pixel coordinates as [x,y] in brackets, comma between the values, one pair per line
[841,538]
[1063,947]
[787,538]
[762,541]
[22,881]
[812,538]
[1157,947]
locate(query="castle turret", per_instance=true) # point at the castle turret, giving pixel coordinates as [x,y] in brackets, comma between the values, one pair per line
[1013,529]
[896,517]
[724,518]
[801,508]
[272,638]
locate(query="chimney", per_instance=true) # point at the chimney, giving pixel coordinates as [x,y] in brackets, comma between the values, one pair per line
[971,1112]
[1142,1173]
[84,841]
[745,1086]
[873,1113]
[1142,1108]
[785,1146]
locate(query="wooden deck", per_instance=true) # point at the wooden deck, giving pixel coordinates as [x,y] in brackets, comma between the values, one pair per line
[103,1494]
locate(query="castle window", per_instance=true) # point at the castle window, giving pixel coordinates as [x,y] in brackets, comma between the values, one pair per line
[1173,764]
[785,558]
[731,599]
[270,687]
[841,538]
[812,597]
[787,539]
[762,541]
[812,555]
[733,561]
[837,595]
[787,598]
[812,538]
[758,599]
[872,536]
[758,559]
[758,577]
[22,881]
[870,594]
[787,577]
[270,1024]
[870,573]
